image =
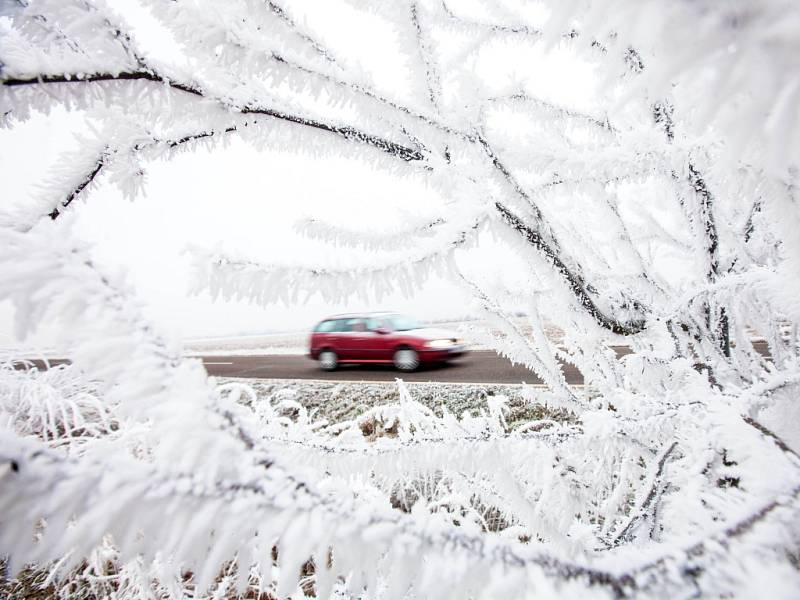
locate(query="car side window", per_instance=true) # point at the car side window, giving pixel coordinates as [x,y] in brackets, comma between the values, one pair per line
[333,326]
[354,325]
[325,327]
[374,324]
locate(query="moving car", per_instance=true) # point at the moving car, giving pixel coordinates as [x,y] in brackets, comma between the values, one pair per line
[388,338]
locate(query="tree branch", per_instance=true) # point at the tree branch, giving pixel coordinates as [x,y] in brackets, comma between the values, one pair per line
[348,133]
[279,12]
[29,460]
[782,446]
[550,373]
[103,162]
[494,27]
[548,247]
[574,282]
[693,554]
[717,324]
[431,76]
[639,512]
[90,177]
[522,97]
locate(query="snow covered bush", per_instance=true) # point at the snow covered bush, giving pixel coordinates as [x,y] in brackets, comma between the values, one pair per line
[641,160]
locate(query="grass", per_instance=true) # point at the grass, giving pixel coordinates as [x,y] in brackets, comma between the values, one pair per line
[339,402]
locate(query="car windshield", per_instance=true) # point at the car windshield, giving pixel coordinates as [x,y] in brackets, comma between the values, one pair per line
[403,323]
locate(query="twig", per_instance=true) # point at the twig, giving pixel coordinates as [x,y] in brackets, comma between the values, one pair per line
[639,512]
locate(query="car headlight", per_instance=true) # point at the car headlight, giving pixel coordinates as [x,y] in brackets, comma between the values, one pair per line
[439,343]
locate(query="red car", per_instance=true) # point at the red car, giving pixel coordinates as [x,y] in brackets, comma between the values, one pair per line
[387,338]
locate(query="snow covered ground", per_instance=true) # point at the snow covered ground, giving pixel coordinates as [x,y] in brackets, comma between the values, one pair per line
[337,402]
[293,342]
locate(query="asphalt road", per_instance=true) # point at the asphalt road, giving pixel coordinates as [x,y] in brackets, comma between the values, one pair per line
[474,367]
[481,366]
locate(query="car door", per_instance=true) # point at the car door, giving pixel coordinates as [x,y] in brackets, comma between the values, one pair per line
[381,339]
[326,335]
[352,340]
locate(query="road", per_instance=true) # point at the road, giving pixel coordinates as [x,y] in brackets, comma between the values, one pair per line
[481,366]
[475,367]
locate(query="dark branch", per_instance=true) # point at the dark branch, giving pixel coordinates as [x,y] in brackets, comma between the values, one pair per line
[749,227]
[663,116]
[575,283]
[549,247]
[93,77]
[102,162]
[701,552]
[633,60]
[554,108]
[551,242]
[494,27]
[782,446]
[706,211]
[319,48]
[349,133]
[198,136]
[431,76]
[90,177]
[717,325]
[638,513]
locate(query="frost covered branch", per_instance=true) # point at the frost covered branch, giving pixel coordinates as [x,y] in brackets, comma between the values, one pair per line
[344,131]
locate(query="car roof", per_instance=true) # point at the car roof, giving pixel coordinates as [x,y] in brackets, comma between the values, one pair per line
[364,314]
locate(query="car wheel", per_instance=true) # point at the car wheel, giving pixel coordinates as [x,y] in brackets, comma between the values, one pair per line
[406,359]
[328,360]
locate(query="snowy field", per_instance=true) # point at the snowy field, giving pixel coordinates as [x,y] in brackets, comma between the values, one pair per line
[337,402]
[295,342]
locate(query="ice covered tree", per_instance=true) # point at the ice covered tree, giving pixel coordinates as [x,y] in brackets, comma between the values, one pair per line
[655,206]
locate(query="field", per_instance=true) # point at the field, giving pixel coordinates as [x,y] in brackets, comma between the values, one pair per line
[342,402]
